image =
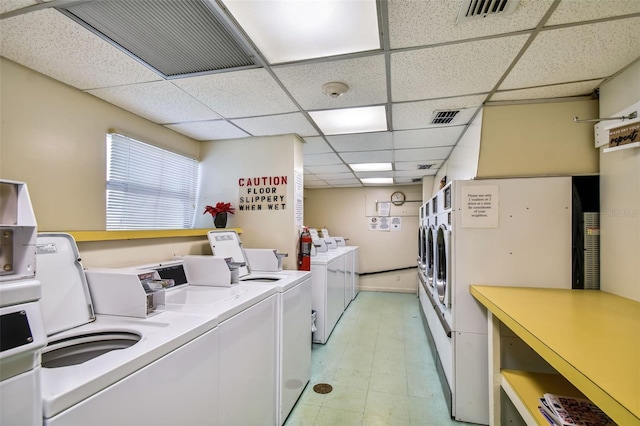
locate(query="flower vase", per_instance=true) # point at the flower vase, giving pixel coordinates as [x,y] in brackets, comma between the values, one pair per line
[220,220]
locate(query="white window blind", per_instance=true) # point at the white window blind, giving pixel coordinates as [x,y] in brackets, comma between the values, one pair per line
[148,187]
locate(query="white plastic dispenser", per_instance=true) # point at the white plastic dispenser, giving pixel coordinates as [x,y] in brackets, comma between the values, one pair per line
[264,260]
[215,271]
[127,292]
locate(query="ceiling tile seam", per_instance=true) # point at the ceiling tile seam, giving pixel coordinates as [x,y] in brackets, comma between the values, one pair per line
[525,46]
[590,22]
[443,98]
[620,71]
[542,86]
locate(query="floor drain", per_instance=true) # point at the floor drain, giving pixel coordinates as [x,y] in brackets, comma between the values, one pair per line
[322,388]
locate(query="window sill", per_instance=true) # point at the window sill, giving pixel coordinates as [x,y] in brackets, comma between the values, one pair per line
[83,236]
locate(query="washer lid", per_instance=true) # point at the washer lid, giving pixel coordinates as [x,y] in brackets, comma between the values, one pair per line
[66,301]
[227,244]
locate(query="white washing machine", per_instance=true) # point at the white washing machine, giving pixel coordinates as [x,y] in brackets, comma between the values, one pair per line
[119,370]
[22,334]
[292,363]
[511,232]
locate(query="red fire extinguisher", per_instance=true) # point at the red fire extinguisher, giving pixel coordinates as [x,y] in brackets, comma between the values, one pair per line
[304,252]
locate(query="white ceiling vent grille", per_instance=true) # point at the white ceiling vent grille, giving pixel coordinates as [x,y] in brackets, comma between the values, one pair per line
[443,117]
[472,9]
[425,166]
[173,37]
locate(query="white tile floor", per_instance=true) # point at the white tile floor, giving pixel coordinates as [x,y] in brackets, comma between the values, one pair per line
[378,361]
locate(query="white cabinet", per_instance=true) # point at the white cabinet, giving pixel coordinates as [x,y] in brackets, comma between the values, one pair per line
[247,383]
[328,279]
[349,277]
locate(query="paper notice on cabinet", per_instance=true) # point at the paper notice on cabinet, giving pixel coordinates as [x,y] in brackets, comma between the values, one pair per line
[480,206]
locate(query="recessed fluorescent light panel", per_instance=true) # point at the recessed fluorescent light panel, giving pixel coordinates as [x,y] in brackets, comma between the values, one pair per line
[370,167]
[385,181]
[351,120]
[286,31]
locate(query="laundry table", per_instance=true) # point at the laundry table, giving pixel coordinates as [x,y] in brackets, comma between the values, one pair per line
[590,337]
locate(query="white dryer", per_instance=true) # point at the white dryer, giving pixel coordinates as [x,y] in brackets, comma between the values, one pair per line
[491,232]
[114,368]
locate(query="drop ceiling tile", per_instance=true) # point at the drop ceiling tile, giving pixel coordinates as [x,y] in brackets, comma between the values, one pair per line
[415,173]
[414,165]
[237,94]
[577,11]
[324,168]
[366,78]
[52,44]
[322,160]
[208,130]
[361,141]
[427,138]
[407,180]
[317,184]
[336,176]
[579,53]
[345,182]
[418,115]
[422,154]
[315,145]
[580,88]
[409,21]
[367,157]
[158,101]
[308,177]
[454,70]
[11,5]
[277,125]
[365,175]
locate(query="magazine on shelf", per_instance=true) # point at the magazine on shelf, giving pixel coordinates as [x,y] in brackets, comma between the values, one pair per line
[572,411]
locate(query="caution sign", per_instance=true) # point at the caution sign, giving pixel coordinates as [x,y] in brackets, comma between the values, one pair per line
[262,193]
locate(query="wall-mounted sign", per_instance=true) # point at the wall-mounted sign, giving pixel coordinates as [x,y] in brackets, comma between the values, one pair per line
[262,193]
[480,206]
[624,135]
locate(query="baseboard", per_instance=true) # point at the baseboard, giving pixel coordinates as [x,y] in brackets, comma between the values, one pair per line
[388,289]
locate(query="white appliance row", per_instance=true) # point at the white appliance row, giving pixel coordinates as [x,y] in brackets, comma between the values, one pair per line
[510,232]
[335,275]
[122,346]
[22,334]
[292,362]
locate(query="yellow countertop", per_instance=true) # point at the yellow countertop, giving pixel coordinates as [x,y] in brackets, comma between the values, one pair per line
[83,236]
[590,337]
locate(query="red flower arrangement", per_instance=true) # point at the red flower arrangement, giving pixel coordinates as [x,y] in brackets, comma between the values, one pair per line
[219,208]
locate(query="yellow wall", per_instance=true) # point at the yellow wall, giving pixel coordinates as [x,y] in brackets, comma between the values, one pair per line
[537,139]
[53,137]
[343,211]
[223,163]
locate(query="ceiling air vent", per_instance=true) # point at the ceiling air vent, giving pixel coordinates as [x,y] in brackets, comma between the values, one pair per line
[424,166]
[443,116]
[175,38]
[472,9]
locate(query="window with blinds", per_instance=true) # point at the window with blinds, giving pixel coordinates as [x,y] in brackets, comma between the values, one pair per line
[148,187]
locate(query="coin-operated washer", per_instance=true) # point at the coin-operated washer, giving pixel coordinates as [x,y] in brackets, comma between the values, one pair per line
[113,352]
[21,327]
[294,301]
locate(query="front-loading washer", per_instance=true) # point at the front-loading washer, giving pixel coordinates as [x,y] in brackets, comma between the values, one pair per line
[118,370]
